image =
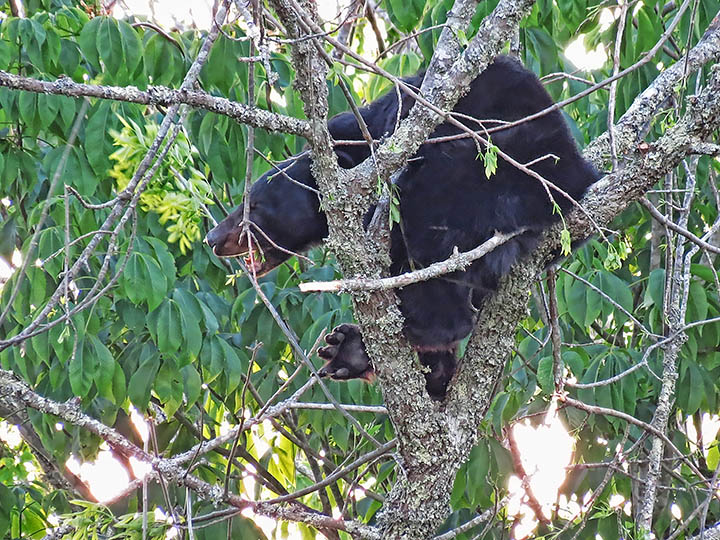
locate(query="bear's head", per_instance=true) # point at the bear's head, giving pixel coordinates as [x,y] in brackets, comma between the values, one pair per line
[285,218]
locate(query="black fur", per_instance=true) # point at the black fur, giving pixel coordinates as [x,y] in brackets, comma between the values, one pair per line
[446,202]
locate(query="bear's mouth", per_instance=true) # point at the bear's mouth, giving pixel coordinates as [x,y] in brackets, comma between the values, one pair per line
[260,257]
[261,260]
[253,261]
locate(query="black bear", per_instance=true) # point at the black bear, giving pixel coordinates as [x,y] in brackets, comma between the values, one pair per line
[446,203]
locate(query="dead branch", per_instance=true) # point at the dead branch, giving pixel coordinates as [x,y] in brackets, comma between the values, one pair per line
[456,261]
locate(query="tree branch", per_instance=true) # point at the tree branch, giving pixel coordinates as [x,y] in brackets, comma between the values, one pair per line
[456,261]
[161,96]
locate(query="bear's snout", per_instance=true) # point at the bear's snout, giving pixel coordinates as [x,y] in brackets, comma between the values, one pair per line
[212,238]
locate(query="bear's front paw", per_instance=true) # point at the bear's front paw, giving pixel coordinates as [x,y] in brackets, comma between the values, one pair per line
[345,355]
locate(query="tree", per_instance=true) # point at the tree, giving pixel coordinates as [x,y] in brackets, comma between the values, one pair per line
[122,142]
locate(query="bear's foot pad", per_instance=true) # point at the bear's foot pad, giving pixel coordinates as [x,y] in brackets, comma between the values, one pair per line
[345,355]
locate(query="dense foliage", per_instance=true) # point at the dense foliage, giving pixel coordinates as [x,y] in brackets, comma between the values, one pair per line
[174,337]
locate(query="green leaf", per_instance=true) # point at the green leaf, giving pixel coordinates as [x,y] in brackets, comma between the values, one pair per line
[405,14]
[603,394]
[134,279]
[142,379]
[8,503]
[458,491]
[565,242]
[82,370]
[119,386]
[574,361]
[38,286]
[646,33]
[340,436]
[41,348]
[192,384]
[109,46]
[157,284]
[51,47]
[619,291]
[478,466]
[311,334]
[131,46]
[629,385]
[594,305]
[169,387]
[575,299]
[192,315]
[498,406]
[234,368]
[27,106]
[490,160]
[215,71]
[48,108]
[163,256]
[192,338]
[713,457]
[165,325]
[698,303]
[691,390]
[69,58]
[5,55]
[544,48]
[655,288]
[75,172]
[35,32]
[71,19]
[502,457]
[211,322]
[106,369]
[62,342]
[161,60]
[88,42]
[143,280]
[211,358]
[703,272]
[8,233]
[207,132]
[33,36]
[68,110]
[545,375]
[97,145]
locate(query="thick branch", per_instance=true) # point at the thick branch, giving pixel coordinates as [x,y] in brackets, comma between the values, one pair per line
[161,95]
[455,262]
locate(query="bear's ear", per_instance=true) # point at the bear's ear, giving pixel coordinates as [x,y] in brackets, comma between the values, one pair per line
[345,160]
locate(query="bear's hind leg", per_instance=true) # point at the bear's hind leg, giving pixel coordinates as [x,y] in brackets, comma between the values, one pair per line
[442,367]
